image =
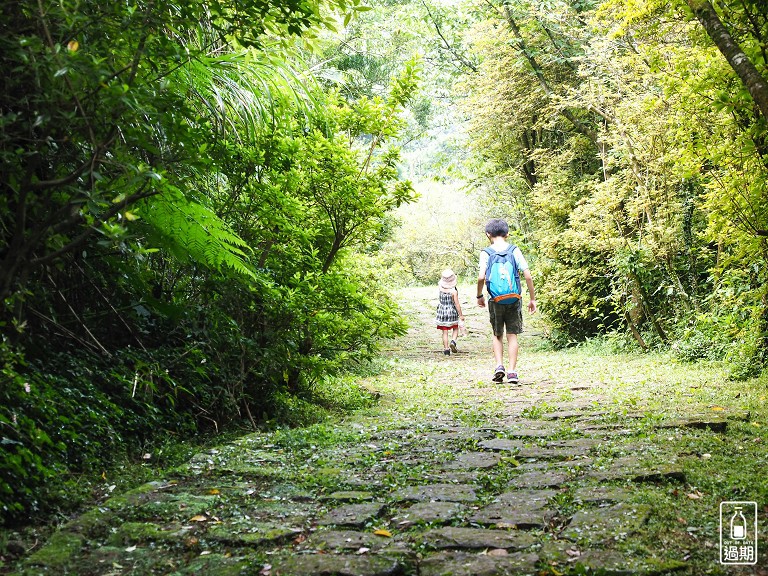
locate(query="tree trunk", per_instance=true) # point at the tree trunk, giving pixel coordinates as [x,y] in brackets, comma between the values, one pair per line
[337,243]
[740,62]
[635,332]
[649,314]
[529,167]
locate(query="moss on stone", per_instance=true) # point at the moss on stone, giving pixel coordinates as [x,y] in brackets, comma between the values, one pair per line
[136,532]
[59,551]
[216,564]
[258,533]
[138,495]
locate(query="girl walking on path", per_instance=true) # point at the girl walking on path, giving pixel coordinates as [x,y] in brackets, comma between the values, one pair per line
[448,310]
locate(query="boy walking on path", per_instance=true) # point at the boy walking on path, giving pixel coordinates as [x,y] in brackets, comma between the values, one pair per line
[504,315]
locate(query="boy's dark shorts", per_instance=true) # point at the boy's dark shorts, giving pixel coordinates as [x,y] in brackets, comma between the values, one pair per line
[509,316]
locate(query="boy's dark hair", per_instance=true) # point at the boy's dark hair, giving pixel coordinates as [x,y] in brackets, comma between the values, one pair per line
[497,227]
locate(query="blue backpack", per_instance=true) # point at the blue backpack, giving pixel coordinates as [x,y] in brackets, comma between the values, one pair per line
[502,277]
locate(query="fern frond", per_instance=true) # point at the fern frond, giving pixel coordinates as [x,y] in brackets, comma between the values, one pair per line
[241,92]
[193,232]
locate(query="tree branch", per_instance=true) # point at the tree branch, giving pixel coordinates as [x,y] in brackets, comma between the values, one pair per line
[79,240]
[447,44]
[52,46]
[539,73]
[552,39]
[739,61]
[98,150]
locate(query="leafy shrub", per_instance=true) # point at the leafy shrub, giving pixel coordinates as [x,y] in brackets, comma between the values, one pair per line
[202,279]
[27,450]
[700,344]
[71,416]
[731,326]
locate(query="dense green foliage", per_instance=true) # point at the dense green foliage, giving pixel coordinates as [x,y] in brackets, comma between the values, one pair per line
[623,147]
[185,230]
[197,213]
[635,158]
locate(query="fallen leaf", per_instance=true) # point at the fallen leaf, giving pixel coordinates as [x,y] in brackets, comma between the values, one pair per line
[681,519]
[199,518]
[498,552]
[130,548]
[382,532]
[718,408]
[756,424]
[73,45]
[213,491]
[694,495]
[299,539]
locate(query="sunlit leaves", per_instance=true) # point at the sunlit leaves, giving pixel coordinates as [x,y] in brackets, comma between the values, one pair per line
[679,151]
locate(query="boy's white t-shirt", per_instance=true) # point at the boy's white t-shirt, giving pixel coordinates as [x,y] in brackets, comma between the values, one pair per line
[522,264]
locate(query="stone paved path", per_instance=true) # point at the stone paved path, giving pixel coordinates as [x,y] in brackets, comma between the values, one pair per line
[464,478]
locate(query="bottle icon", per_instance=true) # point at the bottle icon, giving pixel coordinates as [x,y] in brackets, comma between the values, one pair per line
[738,525]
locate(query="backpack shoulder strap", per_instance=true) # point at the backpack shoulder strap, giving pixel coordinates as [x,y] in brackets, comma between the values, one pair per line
[500,253]
[491,253]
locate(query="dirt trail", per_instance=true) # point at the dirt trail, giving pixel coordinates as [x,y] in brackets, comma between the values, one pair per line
[449,474]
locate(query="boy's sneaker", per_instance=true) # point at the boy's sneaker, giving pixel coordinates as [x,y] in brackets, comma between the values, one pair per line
[512,377]
[447,352]
[498,376]
[454,348]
